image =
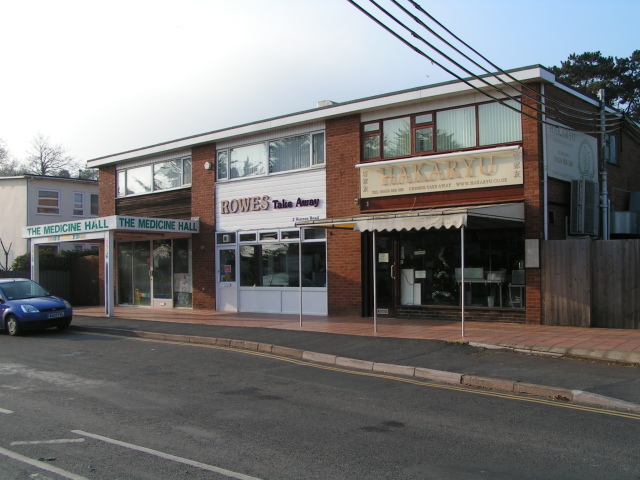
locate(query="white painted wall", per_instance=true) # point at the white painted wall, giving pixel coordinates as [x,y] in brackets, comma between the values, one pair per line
[18,201]
[13,216]
[307,184]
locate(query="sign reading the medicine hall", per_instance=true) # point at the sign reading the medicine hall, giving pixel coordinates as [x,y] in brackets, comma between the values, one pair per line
[115,222]
[494,168]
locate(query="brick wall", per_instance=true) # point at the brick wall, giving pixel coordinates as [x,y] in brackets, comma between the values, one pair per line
[106,208]
[533,198]
[471,315]
[343,187]
[203,243]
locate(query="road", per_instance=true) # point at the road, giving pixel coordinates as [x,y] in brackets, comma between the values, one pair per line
[76,405]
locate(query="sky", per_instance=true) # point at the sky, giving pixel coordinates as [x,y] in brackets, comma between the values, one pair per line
[103,77]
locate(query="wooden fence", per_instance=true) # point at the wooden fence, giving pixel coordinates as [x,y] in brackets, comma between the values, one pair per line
[591,283]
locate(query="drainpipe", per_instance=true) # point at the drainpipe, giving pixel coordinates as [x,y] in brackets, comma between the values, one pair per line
[545,169]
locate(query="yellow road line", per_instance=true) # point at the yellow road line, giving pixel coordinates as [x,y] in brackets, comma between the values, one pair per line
[460,388]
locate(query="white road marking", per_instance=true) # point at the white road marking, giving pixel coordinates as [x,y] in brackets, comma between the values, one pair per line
[2,410]
[167,456]
[41,465]
[58,440]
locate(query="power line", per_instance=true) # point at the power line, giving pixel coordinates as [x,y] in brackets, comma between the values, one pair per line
[475,77]
[493,65]
[575,119]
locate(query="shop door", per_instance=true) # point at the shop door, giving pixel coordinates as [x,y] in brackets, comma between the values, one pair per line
[160,274]
[227,295]
[141,258]
[386,273]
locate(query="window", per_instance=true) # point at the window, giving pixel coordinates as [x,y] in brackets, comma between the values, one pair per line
[247,161]
[139,180]
[94,204]
[277,265]
[396,138]
[423,133]
[445,130]
[167,175]
[431,265]
[154,177]
[317,148]
[371,147]
[275,156]
[456,129]
[248,237]
[289,154]
[499,124]
[78,204]
[224,238]
[48,202]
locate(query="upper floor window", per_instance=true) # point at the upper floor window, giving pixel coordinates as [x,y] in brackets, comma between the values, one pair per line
[441,131]
[78,204]
[94,204]
[48,202]
[275,156]
[154,177]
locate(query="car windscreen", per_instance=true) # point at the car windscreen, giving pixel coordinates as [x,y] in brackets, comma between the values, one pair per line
[22,290]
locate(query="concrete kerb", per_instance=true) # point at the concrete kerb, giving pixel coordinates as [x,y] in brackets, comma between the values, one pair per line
[618,356]
[440,376]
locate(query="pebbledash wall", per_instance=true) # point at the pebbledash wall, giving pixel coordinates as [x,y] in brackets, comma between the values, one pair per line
[245,255]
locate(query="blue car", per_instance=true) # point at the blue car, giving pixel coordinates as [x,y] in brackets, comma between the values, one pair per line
[25,305]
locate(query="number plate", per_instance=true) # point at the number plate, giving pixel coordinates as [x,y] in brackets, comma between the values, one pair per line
[56,315]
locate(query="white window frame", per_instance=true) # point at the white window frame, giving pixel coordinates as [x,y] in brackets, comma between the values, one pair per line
[314,161]
[122,177]
[75,205]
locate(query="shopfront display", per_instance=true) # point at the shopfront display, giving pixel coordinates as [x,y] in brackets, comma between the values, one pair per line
[154,273]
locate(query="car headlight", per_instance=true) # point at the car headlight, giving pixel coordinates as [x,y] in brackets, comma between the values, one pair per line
[66,304]
[29,309]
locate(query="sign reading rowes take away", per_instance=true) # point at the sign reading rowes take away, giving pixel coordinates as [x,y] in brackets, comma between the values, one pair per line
[115,222]
[477,169]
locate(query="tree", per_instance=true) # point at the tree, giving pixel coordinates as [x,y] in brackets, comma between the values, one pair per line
[8,165]
[620,78]
[88,174]
[46,158]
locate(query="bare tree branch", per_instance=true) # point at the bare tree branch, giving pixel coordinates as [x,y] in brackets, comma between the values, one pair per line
[47,158]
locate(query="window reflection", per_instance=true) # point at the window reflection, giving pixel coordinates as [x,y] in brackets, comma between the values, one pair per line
[430,267]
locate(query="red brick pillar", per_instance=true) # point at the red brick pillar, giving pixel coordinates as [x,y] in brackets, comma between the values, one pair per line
[533,200]
[344,253]
[203,243]
[106,208]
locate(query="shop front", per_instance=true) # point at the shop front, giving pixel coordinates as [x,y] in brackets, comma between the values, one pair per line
[147,261]
[264,263]
[418,260]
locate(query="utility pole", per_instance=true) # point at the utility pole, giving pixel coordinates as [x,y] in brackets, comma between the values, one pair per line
[604,197]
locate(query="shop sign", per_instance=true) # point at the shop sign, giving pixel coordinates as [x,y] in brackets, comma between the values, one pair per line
[442,173]
[76,229]
[157,225]
[262,203]
[571,155]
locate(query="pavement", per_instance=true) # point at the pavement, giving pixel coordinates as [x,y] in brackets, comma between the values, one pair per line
[599,367]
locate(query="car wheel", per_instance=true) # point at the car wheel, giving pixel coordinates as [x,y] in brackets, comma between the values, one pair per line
[12,326]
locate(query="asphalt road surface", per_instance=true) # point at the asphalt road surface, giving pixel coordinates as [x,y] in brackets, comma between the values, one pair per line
[76,406]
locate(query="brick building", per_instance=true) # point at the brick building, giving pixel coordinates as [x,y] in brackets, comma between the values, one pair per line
[402,204]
